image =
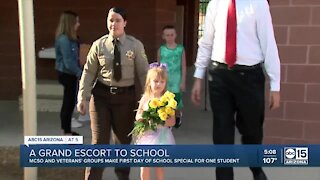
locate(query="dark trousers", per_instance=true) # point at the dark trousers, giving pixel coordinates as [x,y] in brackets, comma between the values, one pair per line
[70,85]
[111,112]
[237,100]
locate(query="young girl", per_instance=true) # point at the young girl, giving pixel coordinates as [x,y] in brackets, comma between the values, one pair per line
[173,55]
[155,87]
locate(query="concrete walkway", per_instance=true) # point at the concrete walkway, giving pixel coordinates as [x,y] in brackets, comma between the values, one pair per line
[196,129]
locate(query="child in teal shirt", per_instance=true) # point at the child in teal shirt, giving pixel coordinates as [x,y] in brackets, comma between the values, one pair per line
[173,55]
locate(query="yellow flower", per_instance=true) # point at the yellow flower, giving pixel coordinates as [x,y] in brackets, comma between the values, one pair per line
[161,103]
[161,110]
[164,98]
[169,94]
[172,103]
[170,111]
[154,103]
[163,116]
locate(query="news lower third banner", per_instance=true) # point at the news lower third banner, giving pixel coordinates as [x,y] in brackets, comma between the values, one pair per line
[75,155]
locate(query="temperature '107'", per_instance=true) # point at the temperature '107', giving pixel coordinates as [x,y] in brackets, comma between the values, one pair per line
[269,160]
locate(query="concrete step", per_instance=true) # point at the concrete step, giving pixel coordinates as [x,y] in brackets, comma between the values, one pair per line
[49,96]
[45,105]
[50,88]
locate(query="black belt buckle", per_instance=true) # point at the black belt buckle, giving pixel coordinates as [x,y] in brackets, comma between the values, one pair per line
[113,90]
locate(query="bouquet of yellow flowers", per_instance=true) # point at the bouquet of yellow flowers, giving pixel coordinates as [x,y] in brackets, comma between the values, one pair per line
[159,109]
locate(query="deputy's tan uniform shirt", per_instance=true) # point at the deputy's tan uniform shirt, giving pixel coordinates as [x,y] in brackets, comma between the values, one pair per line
[99,64]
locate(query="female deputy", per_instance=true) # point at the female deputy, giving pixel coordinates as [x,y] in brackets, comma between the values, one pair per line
[112,63]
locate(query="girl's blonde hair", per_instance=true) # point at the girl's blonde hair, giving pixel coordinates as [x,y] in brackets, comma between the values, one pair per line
[154,73]
[67,21]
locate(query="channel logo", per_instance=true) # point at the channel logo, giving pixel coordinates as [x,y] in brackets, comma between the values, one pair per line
[296,156]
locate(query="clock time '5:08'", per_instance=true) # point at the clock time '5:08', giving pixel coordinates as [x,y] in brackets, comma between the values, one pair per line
[269,152]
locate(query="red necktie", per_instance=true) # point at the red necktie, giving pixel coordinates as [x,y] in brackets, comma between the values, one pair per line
[231,37]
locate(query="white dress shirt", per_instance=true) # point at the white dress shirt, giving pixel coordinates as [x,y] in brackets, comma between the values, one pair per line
[255,38]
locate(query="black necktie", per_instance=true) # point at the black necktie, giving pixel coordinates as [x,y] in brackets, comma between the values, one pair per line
[116,61]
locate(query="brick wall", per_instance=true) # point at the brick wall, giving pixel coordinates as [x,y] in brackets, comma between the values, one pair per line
[164,15]
[10,69]
[297,29]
